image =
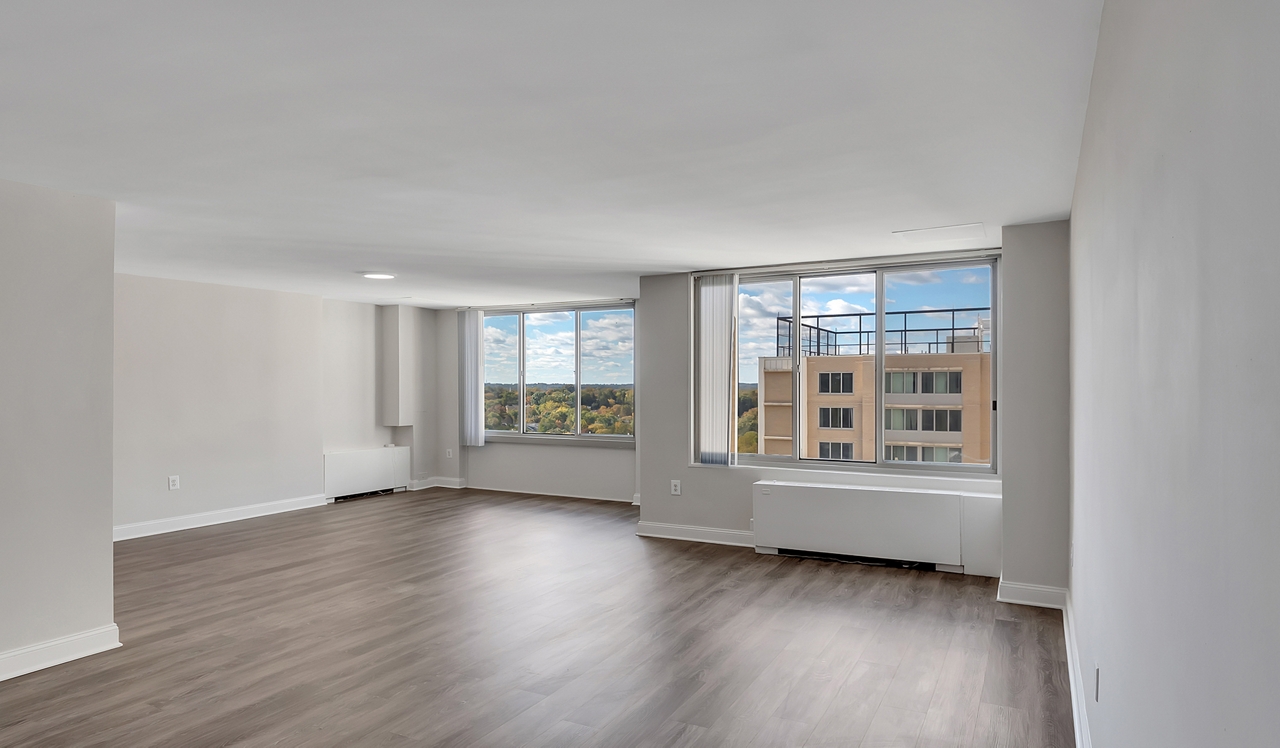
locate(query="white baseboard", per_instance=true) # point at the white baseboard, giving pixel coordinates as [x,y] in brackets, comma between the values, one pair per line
[217,517]
[1079,689]
[35,657]
[437,482]
[697,534]
[1032,594]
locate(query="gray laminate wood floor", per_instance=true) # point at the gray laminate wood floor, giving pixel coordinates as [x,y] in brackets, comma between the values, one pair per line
[460,618]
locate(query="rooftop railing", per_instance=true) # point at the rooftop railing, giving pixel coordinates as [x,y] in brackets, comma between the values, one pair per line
[959,330]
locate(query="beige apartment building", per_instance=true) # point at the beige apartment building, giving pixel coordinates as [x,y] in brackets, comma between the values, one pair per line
[937,406]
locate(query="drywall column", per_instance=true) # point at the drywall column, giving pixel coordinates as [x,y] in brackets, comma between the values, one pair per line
[1034,408]
[449,460]
[55,427]
[424,431]
[1175,262]
[398,354]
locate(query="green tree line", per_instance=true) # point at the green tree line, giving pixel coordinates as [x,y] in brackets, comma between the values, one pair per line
[606,409]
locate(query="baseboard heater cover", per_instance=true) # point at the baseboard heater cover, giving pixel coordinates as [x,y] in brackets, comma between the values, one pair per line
[365,471]
[913,525]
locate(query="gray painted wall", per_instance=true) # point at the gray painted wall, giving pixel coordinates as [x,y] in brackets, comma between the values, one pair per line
[426,435]
[220,386]
[1035,403]
[558,469]
[55,414]
[448,399]
[714,497]
[1176,415]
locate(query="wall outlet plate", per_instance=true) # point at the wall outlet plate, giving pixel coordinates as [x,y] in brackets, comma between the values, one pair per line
[675,488]
[173,483]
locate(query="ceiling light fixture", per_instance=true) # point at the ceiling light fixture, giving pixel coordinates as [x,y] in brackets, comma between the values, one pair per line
[379,276]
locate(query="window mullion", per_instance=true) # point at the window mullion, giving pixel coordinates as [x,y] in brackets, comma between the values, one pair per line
[878,384]
[520,363]
[797,340]
[577,370]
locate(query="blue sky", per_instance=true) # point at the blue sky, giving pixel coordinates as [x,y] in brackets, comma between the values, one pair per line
[760,304]
[608,347]
[501,349]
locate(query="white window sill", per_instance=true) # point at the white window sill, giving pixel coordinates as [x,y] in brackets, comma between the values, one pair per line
[979,480]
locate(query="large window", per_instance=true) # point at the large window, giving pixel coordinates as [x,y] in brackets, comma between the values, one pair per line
[566,372]
[890,364]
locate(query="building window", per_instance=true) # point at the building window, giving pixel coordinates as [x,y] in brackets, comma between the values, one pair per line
[901,419]
[835,450]
[941,420]
[835,418]
[895,345]
[835,382]
[899,382]
[565,371]
[940,382]
[921,453]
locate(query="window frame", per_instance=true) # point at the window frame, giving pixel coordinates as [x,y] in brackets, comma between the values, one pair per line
[579,436]
[880,266]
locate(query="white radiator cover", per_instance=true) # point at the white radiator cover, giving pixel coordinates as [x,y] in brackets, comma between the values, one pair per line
[953,528]
[364,470]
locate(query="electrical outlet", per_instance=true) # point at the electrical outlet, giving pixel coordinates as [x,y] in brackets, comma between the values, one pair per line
[173,483]
[675,488]
[448,453]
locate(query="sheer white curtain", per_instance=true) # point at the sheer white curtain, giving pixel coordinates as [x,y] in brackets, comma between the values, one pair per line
[716,297]
[471,334]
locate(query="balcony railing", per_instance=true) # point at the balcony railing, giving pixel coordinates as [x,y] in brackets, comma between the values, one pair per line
[960,330]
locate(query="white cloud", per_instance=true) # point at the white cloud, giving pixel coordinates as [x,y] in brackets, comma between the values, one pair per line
[547,318]
[862,283]
[913,278]
[834,306]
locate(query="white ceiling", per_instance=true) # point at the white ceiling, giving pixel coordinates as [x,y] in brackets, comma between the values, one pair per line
[491,153]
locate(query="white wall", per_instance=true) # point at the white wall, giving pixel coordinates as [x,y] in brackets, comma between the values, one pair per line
[55,427]
[711,496]
[1035,408]
[220,386]
[557,469]
[1175,267]
[350,399]
[240,392]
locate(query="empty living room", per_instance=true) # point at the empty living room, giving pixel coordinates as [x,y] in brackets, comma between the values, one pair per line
[640,375]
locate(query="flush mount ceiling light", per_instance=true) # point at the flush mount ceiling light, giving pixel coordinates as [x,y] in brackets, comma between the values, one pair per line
[378,276]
